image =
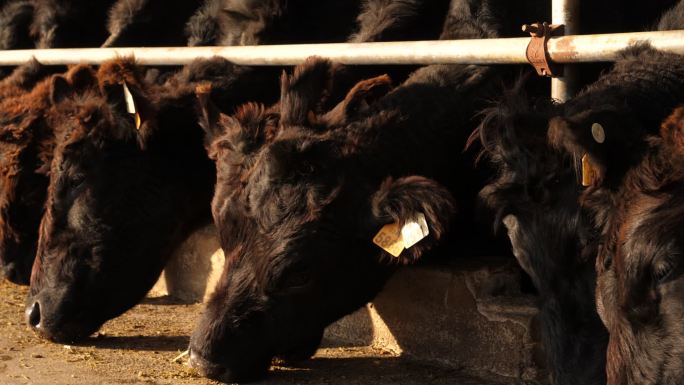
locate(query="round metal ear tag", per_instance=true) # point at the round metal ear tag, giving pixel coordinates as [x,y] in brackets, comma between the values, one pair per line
[598,133]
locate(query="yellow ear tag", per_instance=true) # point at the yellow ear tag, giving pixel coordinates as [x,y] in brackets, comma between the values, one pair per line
[394,239]
[389,239]
[587,171]
[130,105]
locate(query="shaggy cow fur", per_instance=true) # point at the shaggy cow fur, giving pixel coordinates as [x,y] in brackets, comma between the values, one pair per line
[70,23]
[634,199]
[250,22]
[25,145]
[296,215]
[640,283]
[638,93]
[15,21]
[535,196]
[149,23]
[119,199]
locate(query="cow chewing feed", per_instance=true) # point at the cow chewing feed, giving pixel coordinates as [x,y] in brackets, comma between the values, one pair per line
[149,23]
[535,196]
[297,216]
[124,190]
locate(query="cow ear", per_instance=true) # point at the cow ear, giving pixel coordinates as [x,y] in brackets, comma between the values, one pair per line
[303,91]
[358,99]
[82,77]
[672,130]
[128,99]
[60,89]
[208,113]
[411,214]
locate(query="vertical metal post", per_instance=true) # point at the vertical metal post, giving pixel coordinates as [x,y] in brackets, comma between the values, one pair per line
[565,12]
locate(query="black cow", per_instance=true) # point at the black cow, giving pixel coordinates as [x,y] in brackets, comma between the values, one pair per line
[535,196]
[251,22]
[120,198]
[633,198]
[302,192]
[15,22]
[69,23]
[25,145]
[149,23]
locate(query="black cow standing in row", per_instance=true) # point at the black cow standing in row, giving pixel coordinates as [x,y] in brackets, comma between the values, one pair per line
[634,201]
[296,216]
[535,196]
[120,198]
[25,144]
[250,22]
[149,23]
[70,23]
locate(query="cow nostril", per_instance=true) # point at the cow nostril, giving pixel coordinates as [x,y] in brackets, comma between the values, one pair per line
[33,315]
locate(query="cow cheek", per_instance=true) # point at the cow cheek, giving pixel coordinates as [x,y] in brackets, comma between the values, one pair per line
[77,214]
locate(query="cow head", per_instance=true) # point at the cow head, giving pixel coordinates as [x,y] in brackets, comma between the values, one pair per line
[536,196]
[640,266]
[297,218]
[535,193]
[114,209]
[26,142]
[607,122]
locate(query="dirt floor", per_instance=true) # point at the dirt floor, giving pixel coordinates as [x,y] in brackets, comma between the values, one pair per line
[140,347]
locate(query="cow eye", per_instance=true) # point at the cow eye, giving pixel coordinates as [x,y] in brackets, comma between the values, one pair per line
[76,180]
[607,261]
[663,270]
[237,16]
[297,276]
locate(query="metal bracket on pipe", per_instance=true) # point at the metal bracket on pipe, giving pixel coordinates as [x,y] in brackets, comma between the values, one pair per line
[537,50]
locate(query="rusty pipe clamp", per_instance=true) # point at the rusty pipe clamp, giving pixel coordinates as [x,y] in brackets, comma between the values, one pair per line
[538,51]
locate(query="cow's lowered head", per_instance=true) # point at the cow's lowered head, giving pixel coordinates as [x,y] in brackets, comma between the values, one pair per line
[299,198]
[640,266]
[26,142]
[129,180]
[536,197]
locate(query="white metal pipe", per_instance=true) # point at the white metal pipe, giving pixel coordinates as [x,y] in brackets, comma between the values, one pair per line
[565,12]
[566,49]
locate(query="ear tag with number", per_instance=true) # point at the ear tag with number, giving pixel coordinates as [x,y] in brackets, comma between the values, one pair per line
[394,239]
[389,239]
[130,105]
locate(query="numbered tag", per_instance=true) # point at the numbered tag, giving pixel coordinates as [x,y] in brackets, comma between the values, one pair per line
[414,231]
[394,239]
[389,239]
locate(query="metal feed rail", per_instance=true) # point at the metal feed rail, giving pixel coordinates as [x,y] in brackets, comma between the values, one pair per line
[567,49]
[562,49]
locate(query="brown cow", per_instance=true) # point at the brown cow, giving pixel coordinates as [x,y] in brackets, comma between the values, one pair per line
[635,183]
[26,146]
